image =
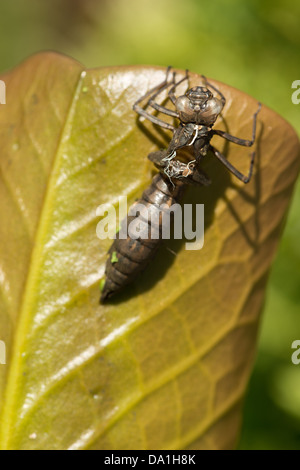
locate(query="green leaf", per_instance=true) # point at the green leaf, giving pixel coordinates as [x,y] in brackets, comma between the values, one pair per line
[165,365]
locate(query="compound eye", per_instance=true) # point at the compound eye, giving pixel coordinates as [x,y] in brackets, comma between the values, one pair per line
[182,104]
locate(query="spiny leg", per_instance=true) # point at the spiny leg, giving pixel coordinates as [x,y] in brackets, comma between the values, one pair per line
[232,168]
[151,102]
[172,89]
[155,120]
[237,140]
[208,84]
[163,109]
[154,89]
[147,115]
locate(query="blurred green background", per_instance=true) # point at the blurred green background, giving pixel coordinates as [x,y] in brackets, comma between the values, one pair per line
[253,45]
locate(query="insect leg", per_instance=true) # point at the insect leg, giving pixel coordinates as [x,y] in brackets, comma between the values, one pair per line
[154,119]
[237,140]
[136,107]
[232,168]
[154,89]
[172,89]
[151,102]
[163,109]
[208,84]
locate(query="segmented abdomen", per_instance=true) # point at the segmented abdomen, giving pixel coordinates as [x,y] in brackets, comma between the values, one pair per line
[130,256]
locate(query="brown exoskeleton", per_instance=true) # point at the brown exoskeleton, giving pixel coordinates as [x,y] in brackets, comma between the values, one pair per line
[197,111]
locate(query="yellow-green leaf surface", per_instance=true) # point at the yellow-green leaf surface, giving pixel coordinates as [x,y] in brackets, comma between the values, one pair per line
[164,365]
